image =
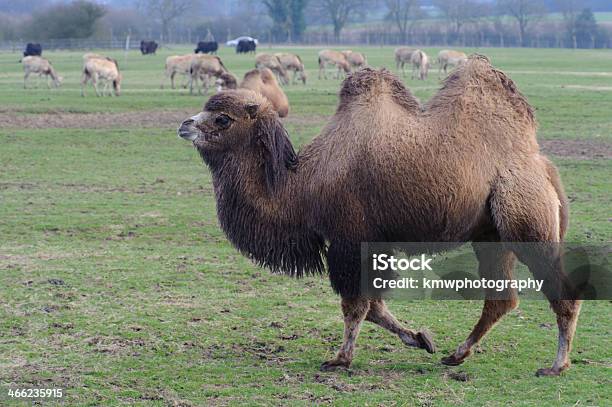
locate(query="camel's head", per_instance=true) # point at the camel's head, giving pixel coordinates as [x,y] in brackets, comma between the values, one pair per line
[117,85]
[241,126]
[302,76]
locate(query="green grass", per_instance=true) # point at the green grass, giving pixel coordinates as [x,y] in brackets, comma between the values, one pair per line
[156,307]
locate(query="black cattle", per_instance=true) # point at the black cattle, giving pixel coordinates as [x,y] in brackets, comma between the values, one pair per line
[245,46]
[207,47]
[148,47]
[32,49]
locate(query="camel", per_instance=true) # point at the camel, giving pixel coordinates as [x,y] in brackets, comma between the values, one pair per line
[40,66]
[420,64]
[177,64]
[273,63]
[204,66]
[261,81]
[356,59]
[464,167]
[96,68]
[264,82]
[335,58]
[292,62]
[403,56]
[447,58]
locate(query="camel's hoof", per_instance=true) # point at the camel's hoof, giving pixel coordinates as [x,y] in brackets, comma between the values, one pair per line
[548,372]
[335,364]
[452,360]
[426,341]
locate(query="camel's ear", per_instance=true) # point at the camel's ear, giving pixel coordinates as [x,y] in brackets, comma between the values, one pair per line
[279,155]
[251,109]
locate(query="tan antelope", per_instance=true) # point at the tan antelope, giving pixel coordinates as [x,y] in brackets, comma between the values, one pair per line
[273,63]
[449,57]
[335,58]
[98,68]
[356,59]
[41,66]
[403,56]
[420,64]
[177,64]
[203,66]
[292,62]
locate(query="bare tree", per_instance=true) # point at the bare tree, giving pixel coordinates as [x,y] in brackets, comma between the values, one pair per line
[525,12]
[404,14]
[339,12]
[569,9]
[459,12]
[167,11]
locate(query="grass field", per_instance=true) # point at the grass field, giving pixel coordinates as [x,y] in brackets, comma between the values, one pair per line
[117,285]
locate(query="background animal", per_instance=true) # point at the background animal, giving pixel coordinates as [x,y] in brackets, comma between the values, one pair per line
[148,47]
[356,59]
[293,62]
[207,47]
[420,64]
[41,66]
[403,56]
[98,68]
[246,46]
[274,64]
[204,67]
[263,81]
[177,64]
[448,57]
[32,50]
[381,170]
[337,59]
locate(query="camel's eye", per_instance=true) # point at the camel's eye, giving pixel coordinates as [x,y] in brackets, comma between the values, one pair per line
[223,121]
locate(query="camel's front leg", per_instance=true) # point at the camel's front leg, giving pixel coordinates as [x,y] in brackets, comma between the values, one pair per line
[355,311]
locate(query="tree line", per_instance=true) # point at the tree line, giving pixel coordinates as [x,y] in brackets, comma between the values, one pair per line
[427,22]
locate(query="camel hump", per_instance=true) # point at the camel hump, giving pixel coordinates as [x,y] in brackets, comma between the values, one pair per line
[478,81]
[369,85]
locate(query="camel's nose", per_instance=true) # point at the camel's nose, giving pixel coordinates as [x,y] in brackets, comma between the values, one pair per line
[187,130]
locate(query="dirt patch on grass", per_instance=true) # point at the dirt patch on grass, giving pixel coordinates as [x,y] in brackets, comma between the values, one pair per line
[14,119]
[66,120]
[170,119]
[588,149]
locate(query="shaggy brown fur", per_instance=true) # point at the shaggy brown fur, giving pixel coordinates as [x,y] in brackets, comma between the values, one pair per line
[465,167]
[263,81]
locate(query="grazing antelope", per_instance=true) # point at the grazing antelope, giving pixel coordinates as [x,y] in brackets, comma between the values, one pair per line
[356,59]
[177,64]
[420,64]
[335,58]
[292,62]
[448,57]
[402,57]
[40,66]
[273,63]
[203,66]
[98,68]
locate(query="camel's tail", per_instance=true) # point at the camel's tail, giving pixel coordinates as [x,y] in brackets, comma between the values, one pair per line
[555,180]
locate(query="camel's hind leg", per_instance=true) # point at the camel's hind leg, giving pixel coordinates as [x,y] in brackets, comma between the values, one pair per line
[354,311]
[494,262]
[532,212]
[380,315]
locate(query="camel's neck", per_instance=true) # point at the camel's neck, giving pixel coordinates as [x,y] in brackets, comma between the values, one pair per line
[269,227]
